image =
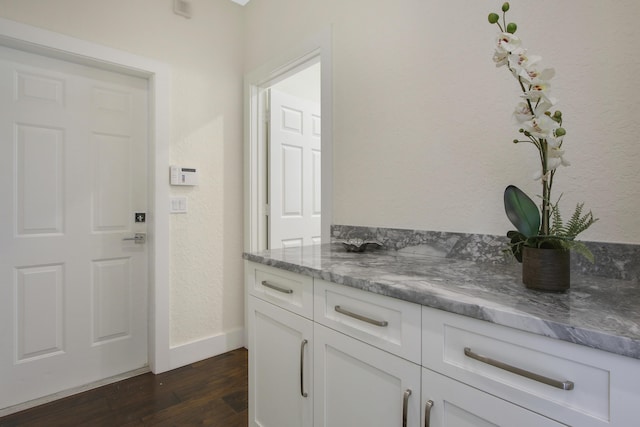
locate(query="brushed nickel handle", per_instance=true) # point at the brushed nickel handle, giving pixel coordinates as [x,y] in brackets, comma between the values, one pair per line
[563,385]
[302,346]
[405,405]
[276,287]
[138,238]
[427,413]
[361,317]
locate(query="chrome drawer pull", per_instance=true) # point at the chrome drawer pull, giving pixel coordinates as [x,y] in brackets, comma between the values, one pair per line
[276,287]
[405,404]
[302,346]
[563,385]
[427,413]
[361,317]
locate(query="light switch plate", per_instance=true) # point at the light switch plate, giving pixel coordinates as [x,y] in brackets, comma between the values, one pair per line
[178,205]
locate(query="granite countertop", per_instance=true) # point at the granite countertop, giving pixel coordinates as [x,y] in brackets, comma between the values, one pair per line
[596,312]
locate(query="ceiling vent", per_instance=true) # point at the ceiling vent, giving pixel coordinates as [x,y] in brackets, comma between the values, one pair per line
[182,8]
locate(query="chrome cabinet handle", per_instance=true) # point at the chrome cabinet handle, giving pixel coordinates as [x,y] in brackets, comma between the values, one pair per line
[405,404]
[361,317]
[302,346]
[276,287]
[563,385]
[427,413]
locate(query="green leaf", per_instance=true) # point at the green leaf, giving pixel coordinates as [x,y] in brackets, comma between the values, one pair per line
[521,211]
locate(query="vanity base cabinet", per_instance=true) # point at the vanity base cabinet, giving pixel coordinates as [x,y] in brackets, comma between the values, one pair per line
[449,403]
[331,355]
[356,384]
[280,367]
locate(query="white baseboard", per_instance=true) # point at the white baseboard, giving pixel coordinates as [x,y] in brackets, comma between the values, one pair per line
[195,351]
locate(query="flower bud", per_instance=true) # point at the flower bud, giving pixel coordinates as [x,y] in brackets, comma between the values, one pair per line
[493,18]
[515,141]
[560,132]
[557,114]
[505,6]
[511,27]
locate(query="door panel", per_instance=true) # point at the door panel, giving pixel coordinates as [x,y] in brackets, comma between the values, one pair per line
[39,300]
[73,170]
[276,359]
[39,166]
[294,171]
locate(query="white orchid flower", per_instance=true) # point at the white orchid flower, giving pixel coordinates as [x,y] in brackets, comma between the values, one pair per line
[555,158]
[541,126]
[533,74]
[500,57]
[521,64]
[523,113]
[555,141]
[506,42]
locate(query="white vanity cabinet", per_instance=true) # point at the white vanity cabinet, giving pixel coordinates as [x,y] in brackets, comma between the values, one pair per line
[330,355]
[362,343]
[280,340]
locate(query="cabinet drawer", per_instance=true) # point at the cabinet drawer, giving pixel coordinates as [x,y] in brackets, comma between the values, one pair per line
[387,323]
[291,291]
[500,361]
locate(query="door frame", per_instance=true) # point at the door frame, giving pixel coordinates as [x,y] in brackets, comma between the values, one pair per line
[35,40]
[316,48]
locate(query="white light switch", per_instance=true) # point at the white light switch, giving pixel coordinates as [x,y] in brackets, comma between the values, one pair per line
[178,205]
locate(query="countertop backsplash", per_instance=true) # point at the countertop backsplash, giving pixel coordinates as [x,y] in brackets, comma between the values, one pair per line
[612,260]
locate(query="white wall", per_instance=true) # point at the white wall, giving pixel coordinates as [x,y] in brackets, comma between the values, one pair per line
[205,55]
[422,118]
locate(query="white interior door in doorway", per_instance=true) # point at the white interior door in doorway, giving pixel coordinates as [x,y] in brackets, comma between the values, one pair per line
[73,172]
[294,171]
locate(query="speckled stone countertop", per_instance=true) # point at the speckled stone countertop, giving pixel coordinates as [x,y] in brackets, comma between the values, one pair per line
[597,312]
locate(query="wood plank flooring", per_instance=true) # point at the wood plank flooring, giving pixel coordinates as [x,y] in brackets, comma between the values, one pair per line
[213,392]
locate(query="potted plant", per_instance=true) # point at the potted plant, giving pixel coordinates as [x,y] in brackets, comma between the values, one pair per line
[542,239]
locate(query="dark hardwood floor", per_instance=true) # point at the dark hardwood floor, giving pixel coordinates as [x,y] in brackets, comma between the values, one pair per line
[212,392]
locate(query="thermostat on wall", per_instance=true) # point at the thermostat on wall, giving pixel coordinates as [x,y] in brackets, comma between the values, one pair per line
[183,176]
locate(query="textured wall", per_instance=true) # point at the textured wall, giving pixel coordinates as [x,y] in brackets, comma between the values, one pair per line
[205,54]
[422,118]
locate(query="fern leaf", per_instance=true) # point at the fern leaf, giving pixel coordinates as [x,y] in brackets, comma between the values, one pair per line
[578,222]
[557,227]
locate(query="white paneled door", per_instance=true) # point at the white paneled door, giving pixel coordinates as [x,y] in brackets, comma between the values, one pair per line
[294,171]
[73,172]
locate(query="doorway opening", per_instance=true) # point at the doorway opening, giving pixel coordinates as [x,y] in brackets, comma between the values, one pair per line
[293,167]
[288,152]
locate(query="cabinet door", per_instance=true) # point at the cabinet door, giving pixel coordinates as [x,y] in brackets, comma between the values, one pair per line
[449,403]
[280,367]
[356,384]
